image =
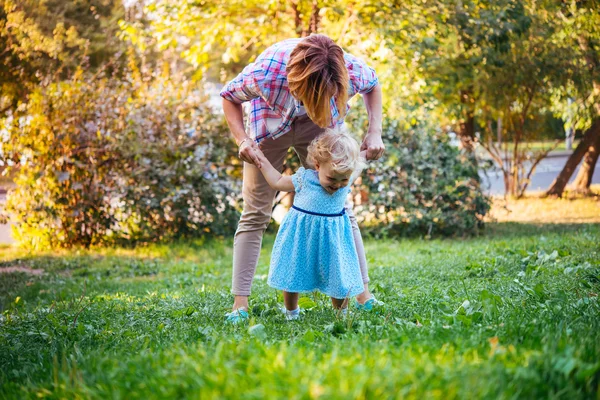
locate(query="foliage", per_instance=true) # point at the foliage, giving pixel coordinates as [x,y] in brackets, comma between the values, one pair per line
[477,62]
[240,30]
[500,69]
[498,73]
[40,39]
[510,314]
[100,159]
[425,185]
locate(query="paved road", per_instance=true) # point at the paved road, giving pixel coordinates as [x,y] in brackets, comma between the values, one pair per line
[544,174]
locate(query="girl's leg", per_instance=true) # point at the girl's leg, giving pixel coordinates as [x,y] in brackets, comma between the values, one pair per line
[290,300]
[305,132]
[339,303]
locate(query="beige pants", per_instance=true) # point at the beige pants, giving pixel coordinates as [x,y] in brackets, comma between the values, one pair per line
[258,205]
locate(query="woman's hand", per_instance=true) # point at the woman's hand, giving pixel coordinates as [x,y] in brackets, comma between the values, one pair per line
[373,145]
[249,152]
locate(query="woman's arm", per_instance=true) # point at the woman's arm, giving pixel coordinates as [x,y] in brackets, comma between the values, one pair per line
[243,87]
[235,119]
[283,183]
[372,142]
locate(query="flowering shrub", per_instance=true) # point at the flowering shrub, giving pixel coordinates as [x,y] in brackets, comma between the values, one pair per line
[423,186]
[100,160]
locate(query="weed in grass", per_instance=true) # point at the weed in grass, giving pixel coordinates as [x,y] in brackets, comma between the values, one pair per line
[513,313]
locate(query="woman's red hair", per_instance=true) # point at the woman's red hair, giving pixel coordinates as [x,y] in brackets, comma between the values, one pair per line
[316,72]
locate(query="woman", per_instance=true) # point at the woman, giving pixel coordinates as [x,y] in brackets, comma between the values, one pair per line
[297,89]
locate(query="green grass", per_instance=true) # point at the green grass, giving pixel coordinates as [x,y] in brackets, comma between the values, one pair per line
[530,146]
[511,314]
[544,145]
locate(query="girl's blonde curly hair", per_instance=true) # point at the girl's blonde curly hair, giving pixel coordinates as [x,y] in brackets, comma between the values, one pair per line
[338,148]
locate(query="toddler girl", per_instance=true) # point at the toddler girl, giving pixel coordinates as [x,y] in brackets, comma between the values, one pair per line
[314,248]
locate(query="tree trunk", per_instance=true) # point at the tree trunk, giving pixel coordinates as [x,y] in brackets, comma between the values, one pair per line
[558,186]
[499,131]
[508,183]
[297,19]
[591,135]
[466,130]
[586,172]
[315,19]
[467,133]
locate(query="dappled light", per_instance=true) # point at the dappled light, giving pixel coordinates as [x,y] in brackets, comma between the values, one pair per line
[454,310]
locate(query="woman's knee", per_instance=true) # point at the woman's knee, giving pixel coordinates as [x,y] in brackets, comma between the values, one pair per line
[254,220]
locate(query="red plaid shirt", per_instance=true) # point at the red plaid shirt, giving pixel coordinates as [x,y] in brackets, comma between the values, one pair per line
[273,108]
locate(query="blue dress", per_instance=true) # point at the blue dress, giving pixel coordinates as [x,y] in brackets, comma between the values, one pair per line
[314,248]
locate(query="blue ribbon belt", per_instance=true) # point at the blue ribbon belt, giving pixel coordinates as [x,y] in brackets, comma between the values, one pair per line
[319,214]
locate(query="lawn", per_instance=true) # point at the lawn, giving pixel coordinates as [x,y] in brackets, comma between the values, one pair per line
[533,147]
[512,313]
[544,145]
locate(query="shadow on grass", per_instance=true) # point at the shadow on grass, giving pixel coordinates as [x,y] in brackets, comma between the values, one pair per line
[147,259]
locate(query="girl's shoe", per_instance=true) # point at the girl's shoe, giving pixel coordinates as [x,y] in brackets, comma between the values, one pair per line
[237,316]
[291,315]
[369,304]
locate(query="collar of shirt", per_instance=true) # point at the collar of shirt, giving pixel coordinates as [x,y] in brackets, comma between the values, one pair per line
[300,110]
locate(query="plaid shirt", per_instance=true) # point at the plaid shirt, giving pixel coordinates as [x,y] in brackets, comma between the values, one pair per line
[272,107]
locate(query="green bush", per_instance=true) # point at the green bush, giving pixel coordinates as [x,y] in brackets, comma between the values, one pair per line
[423,186]
[101,160]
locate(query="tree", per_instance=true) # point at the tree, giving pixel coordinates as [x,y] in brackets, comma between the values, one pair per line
[96,22]
[584,19]
[583,180]
[42,38]
[240,30]
[177,29]
[462,65]
[27,49]
[478,62]
[588,141]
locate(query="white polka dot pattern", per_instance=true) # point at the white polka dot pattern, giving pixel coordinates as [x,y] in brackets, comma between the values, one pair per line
[313,252]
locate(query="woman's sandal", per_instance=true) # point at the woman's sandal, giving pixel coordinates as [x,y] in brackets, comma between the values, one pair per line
[237,316]
[368,305]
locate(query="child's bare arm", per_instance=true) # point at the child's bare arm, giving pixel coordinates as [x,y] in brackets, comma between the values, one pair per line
[356,174]
[273,177]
